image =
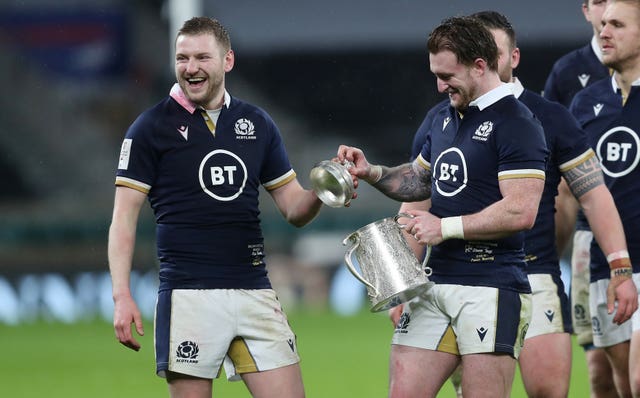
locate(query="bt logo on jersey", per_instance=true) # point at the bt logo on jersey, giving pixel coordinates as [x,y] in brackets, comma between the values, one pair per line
[450,172]
[222,175]
[619,151]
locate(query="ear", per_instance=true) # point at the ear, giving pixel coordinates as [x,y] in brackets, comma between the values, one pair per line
[585,12]
[229,61]
[515,58]
[479,66]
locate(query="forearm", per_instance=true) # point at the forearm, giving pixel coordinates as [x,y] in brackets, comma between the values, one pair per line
[497,221]
[305,208]
[604,220]
[515,212]
[297,205]
[120,254]
[587,185]
[405,183]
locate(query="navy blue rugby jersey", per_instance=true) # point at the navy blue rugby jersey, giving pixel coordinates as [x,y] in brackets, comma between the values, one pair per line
[568,148]
[202,182]
[420,137]
[574,71]
[613,130]
[497,138]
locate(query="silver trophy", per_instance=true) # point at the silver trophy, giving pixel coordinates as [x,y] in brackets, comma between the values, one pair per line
[390,270]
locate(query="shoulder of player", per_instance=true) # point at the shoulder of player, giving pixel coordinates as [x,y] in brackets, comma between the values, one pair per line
[597,91]
[511,114]
[545,110]
[153,116]
[573,57]
[242,109]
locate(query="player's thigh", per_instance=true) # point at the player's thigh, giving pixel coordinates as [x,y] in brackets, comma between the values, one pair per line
[546,357]
[634,361]
[183,386]
[418,372]
[284,382]
[487,375]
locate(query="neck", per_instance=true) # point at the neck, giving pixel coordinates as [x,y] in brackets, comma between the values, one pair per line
[216,102]
[491,81]
[625,78]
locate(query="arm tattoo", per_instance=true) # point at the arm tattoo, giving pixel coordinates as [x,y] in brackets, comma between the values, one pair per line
[584,177]
[405,183]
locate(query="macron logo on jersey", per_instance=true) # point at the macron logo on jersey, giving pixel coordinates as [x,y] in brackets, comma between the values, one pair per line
[446,122]
[597,108]
[184,131]
[584,79]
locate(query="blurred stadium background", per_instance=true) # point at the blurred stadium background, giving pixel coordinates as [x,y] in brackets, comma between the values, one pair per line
[77,73]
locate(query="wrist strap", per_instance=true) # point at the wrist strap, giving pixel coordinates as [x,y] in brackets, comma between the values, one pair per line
[620,264]
[626,272]
[452,228]
[617,255]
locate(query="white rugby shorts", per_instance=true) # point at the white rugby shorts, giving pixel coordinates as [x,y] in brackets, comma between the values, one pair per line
[196,331]
[550,307]
[605,332]
[465,320]
[580,275]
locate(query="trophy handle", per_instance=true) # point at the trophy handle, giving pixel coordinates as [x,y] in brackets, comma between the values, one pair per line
[349,263]
[427,254]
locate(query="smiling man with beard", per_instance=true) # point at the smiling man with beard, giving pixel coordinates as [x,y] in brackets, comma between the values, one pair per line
[199,157]
[482,165]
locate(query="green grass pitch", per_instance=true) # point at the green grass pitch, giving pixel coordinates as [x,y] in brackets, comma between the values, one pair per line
[341,357]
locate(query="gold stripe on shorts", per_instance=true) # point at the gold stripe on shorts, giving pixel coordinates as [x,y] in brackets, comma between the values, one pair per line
[448,342]
[241,357]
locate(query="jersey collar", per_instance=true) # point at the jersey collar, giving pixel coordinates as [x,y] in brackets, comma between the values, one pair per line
[614,83]
[516,87]
[596,48]
[492,96]
[178,95]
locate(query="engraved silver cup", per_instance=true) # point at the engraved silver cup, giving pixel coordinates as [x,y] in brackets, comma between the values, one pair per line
[390,271]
